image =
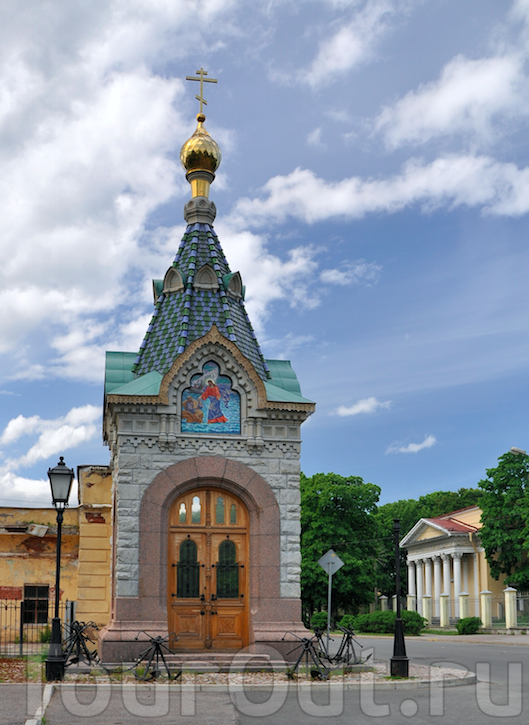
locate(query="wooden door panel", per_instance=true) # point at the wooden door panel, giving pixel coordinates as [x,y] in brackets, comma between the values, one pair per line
[208,621]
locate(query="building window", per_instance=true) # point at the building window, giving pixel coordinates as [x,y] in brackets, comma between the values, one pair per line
[227,571]
[35,604]
[187,581]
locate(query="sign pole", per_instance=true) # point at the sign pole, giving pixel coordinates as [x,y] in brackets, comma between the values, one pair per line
[329,595]
[331,563]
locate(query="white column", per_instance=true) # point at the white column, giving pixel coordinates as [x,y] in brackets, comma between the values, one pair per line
[465,572]
[444,615]
[428,576]
[510,607]
[437,588]
[447,589]
[476,586]
[485,609]
[411,600]
[427,608]
[420,591]
[446,574]
[456,556]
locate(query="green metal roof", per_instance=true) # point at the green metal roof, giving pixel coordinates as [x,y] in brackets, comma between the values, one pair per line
[118,369]
[284,386]
[120,380]
[148,384]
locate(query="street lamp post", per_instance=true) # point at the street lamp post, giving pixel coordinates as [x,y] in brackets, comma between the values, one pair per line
[399,661]
[61,479]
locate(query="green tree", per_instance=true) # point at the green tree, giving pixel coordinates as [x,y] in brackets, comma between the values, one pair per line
[337,513]
[504,533]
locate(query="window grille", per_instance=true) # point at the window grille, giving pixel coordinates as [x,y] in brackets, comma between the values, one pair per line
[187,572]
[227,571]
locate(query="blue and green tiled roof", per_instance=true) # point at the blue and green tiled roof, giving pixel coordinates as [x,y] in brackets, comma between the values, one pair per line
[184,316]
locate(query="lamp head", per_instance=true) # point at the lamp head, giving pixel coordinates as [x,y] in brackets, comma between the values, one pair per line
[61,478]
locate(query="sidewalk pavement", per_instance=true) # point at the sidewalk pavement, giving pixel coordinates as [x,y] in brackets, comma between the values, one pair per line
[14,703]
[122,705]
[502,639]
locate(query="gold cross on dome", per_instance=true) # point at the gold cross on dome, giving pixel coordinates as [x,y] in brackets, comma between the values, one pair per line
[201,73]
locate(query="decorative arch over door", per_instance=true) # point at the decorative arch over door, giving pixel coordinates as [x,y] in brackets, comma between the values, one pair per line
[207,571]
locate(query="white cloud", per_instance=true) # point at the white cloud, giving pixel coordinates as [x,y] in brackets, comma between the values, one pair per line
[467,98]
[267,277]
[55,436]
[314,138]
[428,442]
[449,181]
[366,405]
[362,272]
[88,132]
[353,43]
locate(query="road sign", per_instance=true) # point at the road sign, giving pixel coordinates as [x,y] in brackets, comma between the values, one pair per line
[331,562]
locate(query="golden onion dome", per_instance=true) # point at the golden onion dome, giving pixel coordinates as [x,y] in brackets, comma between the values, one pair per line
[200,152]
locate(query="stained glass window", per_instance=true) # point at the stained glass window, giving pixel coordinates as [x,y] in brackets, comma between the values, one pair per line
[195,510]
[182,513]
[219,510]
[227,571]
[233,514]
[187,584]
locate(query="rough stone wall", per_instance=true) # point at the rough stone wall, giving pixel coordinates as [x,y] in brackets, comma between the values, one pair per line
[138,458]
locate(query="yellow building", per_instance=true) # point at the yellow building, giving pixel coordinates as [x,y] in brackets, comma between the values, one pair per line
[445,557]
[28,541]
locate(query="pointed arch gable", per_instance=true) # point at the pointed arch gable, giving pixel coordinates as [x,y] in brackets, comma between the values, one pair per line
[214,345]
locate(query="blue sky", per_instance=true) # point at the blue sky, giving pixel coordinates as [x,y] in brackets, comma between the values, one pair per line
[373,193]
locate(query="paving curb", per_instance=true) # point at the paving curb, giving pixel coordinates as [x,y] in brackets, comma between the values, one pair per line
[39,714]
[469,679]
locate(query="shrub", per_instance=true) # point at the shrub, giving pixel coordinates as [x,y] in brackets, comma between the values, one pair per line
[319,619]
[384,622]
[413,622]
[347,621]
[469,625]
[45,634]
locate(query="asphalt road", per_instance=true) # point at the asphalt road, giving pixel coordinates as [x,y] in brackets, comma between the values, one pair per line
[501,695]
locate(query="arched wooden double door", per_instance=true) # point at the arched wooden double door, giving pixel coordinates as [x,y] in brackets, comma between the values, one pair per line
[208,571]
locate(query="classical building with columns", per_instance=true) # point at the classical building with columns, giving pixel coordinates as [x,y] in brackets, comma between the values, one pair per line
[446,559]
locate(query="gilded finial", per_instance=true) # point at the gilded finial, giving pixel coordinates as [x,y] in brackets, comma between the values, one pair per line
[201,73]
[200,155]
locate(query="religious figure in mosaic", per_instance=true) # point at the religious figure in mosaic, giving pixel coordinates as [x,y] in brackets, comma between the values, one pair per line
[210,405]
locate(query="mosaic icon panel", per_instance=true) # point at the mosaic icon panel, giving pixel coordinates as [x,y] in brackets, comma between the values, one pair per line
[210,405]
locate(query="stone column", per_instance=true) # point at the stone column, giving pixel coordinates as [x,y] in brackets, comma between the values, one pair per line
[463,605]
[428,576]
[476,585]
[437,587]
[465,573]
[420,591]
[485,608]
[444,610]
[394,602]
[383,603]
[511,619]
[456,556]
[411,601]
[427,608]
[447,589]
